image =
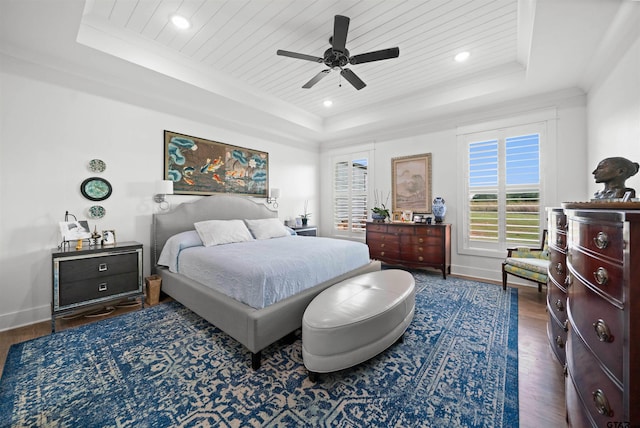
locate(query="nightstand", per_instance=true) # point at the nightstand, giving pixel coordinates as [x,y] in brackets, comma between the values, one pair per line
[306,230]
[94,275]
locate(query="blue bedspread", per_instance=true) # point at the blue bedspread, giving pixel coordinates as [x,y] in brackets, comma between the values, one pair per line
[262,272]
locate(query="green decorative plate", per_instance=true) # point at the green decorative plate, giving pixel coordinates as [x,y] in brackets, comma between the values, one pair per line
[95,189]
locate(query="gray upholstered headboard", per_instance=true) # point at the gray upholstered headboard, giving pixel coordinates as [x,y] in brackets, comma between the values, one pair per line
[217,207]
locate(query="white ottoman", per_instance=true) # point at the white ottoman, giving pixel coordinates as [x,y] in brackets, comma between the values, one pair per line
[356,319]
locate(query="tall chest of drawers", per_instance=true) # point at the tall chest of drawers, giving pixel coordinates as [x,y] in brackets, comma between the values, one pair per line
[603,309]
[558,325]
[412,245]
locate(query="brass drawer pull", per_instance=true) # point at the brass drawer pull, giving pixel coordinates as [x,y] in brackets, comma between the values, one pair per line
[559,342]
[559,305]
[559,269]
[381,245]
[565,325]
[420,259]
[601,276]
[601,403]
[567,280]
[421,240]
[102,267]
[102,286]
[601,240]
[602,331]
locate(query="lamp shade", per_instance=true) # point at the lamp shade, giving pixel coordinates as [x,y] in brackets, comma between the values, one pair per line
[164,187]
[275,193]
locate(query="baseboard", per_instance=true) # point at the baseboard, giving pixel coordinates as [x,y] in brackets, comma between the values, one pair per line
[26,317]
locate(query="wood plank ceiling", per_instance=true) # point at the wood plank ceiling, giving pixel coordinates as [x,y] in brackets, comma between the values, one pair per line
[239,39]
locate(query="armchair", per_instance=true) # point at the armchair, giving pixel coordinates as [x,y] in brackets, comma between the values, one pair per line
[527,263]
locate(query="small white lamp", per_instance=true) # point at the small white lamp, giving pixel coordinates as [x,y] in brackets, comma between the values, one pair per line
[163,188]
[274,194]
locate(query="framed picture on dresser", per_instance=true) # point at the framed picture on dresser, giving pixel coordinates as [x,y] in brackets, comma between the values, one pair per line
[411,183]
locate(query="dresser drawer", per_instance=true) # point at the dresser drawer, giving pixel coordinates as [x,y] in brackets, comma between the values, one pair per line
[557,335]
[423,240]
[95,289]
[397,229]
[423,254]
[97,267]
[577,416]
[600,324]
[558,239]
[602,275]
[435,231]
[558,267]
[600,395]
[384,253]
[376,227]
[600,238]
[377,239]
[557,303]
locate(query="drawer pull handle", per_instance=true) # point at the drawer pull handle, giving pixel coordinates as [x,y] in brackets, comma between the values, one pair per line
[602,331]
[420,249]
[601,276]
[382,254]
[601,403]
[559,342]
[559,269]
[558,240]
[565,325]
[102,267]
[420,259]
[421,240]
[601,240]
[381,245]
[559,305]
[567,280]
[102,286]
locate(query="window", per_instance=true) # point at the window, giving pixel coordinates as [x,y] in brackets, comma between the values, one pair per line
[503,200]
[350,188]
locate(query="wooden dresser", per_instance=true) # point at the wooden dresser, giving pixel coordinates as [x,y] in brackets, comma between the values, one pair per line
[558,325]
[603,309]
[411,245]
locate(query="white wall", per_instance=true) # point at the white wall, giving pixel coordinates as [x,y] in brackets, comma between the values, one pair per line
[48,134]
[614,116]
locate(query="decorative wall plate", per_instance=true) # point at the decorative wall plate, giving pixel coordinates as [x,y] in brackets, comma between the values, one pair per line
[97,165]
[95,189]
[97,211]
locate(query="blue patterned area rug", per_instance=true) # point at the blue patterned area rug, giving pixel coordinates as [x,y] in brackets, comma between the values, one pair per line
[165,366]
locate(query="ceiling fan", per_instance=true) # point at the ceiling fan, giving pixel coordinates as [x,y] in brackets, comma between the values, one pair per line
[337,56]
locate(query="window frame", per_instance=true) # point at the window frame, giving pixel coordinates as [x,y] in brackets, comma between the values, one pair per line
[542,123]
[349,232]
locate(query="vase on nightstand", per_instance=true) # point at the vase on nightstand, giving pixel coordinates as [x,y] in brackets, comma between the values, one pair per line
[439,209]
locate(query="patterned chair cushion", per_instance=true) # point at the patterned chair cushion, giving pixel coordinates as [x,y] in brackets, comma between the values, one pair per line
[528,264]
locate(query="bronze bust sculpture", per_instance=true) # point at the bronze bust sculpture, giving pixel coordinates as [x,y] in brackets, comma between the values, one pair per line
[613,172]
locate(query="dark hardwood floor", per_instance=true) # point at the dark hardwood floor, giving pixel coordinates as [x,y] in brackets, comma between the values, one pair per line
[541,380]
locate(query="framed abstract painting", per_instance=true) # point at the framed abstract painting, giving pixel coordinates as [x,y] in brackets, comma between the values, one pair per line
[411,183]
[203,167]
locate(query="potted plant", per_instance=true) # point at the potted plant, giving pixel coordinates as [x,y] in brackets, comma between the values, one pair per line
[305,216]
[380,211]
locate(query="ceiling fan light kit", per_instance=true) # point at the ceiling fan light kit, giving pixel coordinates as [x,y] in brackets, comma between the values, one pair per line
[338,56]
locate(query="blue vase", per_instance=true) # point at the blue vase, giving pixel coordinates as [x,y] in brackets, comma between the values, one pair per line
[439,209]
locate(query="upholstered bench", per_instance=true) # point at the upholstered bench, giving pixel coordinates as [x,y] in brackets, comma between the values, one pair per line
[356,319]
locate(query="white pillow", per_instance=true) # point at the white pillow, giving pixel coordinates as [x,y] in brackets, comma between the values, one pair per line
[217,232]
[267,228]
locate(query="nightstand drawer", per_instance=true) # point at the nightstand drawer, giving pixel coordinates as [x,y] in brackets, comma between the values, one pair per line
[97,288]
[96,267]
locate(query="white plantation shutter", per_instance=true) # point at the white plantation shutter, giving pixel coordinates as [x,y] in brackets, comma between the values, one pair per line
[503,188]
[350,188]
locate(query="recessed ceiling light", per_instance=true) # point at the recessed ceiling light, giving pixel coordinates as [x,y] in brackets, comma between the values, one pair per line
[462,56]
[327,103]
[180,22]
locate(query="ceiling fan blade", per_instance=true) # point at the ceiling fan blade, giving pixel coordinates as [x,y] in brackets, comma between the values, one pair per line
[375,56]
[318,77]
[340,29]
[299,56]
[351,77]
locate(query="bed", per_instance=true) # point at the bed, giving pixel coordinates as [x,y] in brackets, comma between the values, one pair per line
[255,328]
